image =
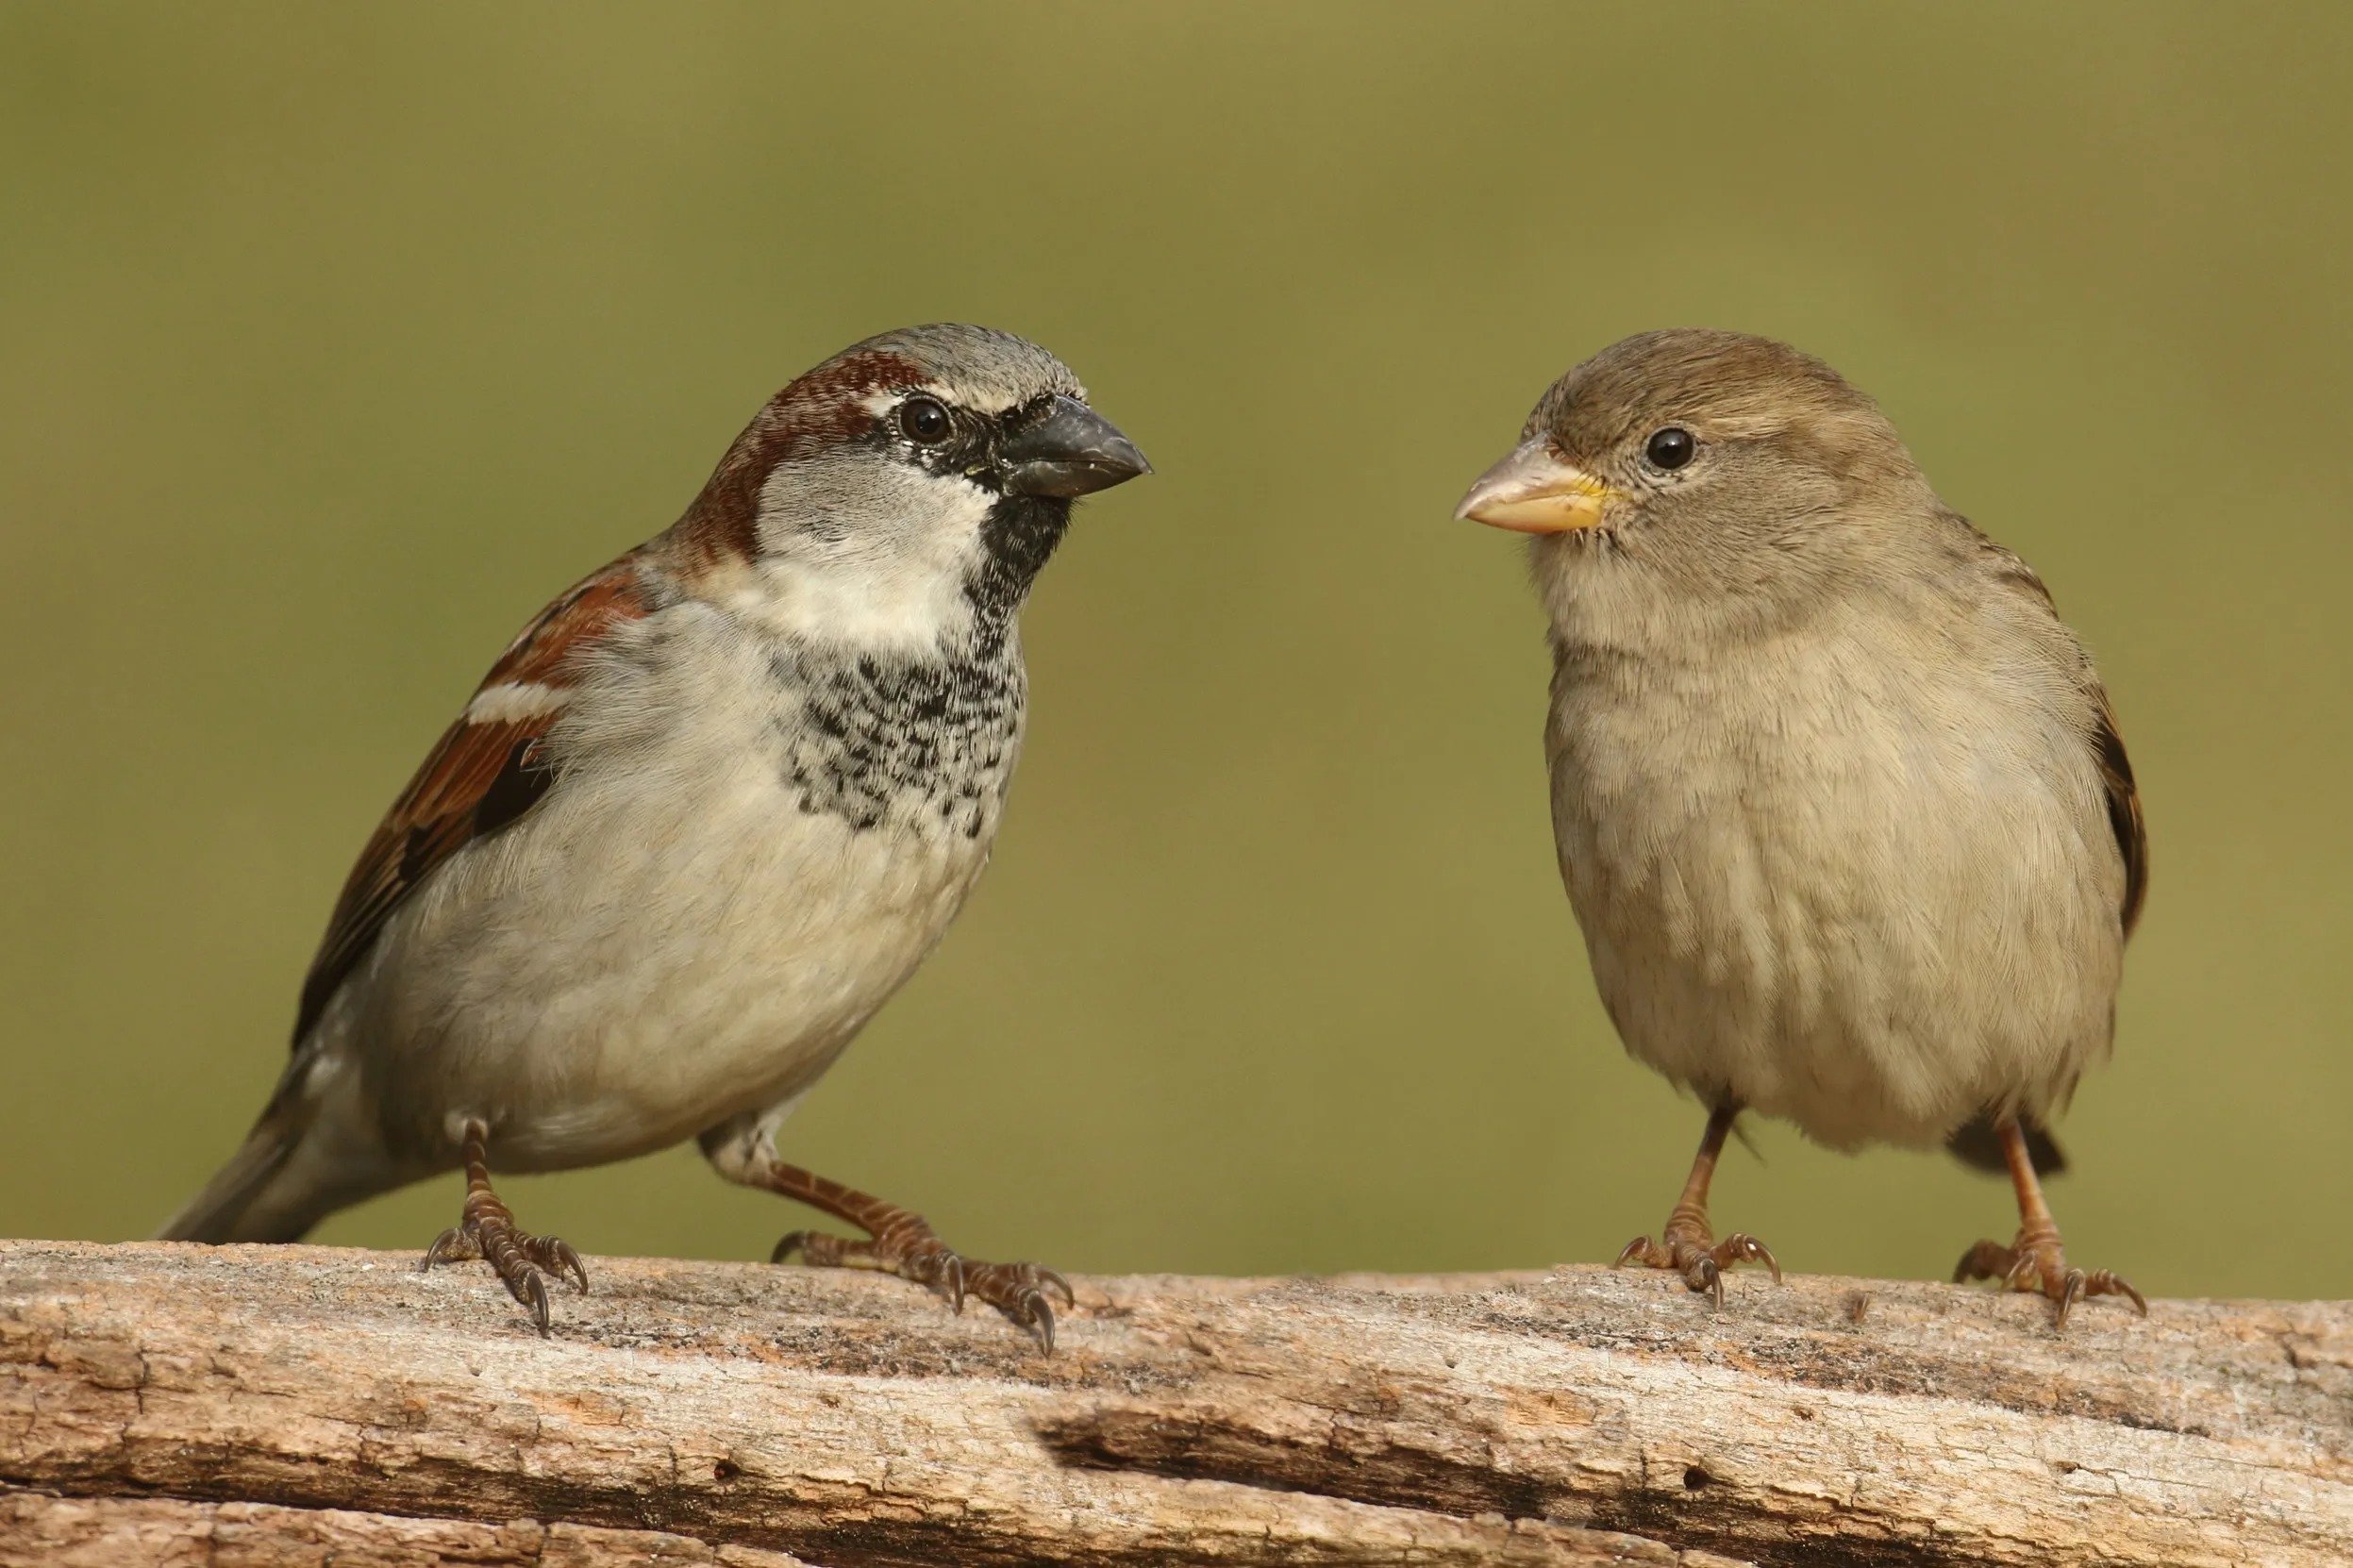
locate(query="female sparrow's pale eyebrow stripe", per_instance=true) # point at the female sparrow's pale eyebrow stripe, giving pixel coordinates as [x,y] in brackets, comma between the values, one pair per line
[1839,800]
[699,820]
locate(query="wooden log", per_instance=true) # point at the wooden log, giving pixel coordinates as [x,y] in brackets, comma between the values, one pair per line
[164,1404]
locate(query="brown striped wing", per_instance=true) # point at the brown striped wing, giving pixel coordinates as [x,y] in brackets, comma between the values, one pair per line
[482,775]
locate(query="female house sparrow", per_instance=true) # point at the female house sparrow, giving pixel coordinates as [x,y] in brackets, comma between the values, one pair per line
[1839,800]
[701,819]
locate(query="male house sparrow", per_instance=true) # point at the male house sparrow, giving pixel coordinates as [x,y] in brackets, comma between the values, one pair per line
[701,819]
[1839,800]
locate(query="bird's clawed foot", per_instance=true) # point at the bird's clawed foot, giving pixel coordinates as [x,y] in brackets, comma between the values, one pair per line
[488,1231]
[1686,1248]
[905,1245]
[2037,1262]
[520,1260]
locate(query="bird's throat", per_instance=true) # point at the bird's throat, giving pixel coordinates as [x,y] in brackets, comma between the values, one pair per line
[1018,537]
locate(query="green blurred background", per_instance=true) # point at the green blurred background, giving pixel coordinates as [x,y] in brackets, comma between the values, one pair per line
[333,341]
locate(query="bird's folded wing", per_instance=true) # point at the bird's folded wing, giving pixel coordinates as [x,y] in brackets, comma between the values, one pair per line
[2108,746]
[483,775]
[2124,811]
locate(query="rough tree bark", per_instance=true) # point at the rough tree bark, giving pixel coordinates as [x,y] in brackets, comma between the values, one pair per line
[259,1407]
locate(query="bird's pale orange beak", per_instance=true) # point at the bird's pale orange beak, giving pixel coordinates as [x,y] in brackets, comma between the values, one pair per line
[1532,492]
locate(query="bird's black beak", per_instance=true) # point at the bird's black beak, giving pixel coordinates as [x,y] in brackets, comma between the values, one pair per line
[1071,451]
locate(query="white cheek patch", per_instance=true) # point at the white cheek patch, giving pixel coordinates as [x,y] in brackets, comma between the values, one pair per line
[514,701]
[891,568]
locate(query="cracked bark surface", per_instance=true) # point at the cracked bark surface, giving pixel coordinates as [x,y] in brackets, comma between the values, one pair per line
[165,1403]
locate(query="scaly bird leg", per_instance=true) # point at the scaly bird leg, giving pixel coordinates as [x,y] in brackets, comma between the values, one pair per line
[1686,1246]
[2036,1260]
[902,1242]
[487,1231]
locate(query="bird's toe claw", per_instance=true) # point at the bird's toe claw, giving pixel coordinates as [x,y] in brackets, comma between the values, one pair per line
[451,1246]
[530,1289]
[2106,1282]
[2037,1262]
[910,1249]
[1698,1258]
[554,1255]
[1985,1260]
[1703,1276]
[1740,1247]
[1020,1292]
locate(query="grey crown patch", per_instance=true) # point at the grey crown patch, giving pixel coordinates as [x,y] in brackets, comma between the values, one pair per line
[925,745]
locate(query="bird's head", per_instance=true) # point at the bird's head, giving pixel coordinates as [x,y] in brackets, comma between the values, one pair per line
[1721,462]
[911,487]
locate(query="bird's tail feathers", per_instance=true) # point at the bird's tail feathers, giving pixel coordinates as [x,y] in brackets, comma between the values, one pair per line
[218,1212]
[305,1158]
[1978,1145]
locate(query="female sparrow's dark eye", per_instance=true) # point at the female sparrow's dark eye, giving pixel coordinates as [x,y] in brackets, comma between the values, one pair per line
[923,420]
[1671,447]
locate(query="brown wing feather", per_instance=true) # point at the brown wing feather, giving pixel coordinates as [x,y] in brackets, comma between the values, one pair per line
[2123,812]
[483,775]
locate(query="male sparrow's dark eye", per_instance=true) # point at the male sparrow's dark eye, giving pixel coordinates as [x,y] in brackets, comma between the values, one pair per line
[923,420]
[1671,447]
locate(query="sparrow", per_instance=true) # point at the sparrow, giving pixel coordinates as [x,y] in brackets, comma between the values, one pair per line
[701,819]
[1840,802]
